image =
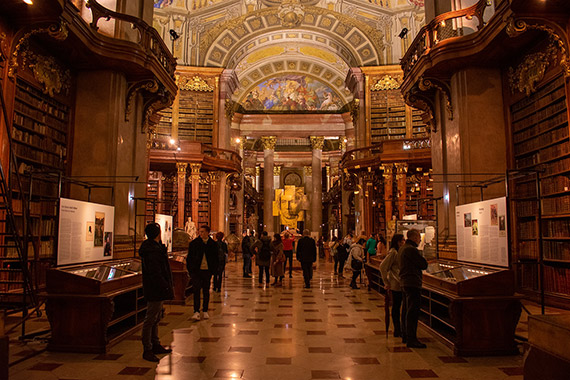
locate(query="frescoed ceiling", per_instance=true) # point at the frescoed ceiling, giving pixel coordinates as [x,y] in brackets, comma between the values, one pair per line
[265,39]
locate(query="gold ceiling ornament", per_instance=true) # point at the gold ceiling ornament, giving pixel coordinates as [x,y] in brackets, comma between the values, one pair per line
[530,71]
[317,142]
[48,72]
[291,13]
[58,31]
[516,27]
[387,83]
[268,142]
[194,84]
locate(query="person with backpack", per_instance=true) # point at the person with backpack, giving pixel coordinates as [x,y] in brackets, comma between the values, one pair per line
[222,260]
[307,255]
[357,257]
[263,258]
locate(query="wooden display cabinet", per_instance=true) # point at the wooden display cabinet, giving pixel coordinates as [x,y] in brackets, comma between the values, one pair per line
[472,308]
[372,268]
[91,307]
[180,276]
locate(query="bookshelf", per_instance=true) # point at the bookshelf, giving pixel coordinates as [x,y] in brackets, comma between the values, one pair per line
[540,135]
[196,116]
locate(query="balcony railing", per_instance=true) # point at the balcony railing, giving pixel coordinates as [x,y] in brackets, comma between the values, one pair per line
[146,37]
[445,26]
[355,158]
[221,154]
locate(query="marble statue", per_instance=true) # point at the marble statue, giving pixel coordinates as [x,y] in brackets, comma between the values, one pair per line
[190,228]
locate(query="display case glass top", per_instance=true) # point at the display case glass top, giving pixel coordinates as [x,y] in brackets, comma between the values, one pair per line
[428,231]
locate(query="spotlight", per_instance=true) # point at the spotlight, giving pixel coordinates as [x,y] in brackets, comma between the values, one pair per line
[29,2]
[173,35]
[403,33]
[172,141]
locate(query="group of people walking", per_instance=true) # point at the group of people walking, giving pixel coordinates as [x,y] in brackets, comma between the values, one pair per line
[401,271]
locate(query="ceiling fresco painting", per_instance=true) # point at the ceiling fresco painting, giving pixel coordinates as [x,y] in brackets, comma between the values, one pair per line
[292,93]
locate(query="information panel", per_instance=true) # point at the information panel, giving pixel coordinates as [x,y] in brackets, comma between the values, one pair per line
[482,232]
[85,232]
[165,222]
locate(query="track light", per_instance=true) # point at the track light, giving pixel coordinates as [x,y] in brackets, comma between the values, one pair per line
[403,33]
[173,35]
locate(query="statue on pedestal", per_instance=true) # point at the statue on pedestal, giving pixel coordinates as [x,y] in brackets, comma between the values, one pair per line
[190,228]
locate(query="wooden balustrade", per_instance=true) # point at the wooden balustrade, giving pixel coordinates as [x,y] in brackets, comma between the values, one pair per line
[389,149]
[148,37]
[441,28]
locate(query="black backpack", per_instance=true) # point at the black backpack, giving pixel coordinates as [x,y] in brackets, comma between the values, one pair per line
[342,252]
[265,253]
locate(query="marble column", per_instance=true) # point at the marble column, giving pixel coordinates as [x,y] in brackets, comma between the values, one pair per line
[181,193]
[227,85]
[317,143]
[388,185]
[368,206]
[257,177]
[268,161]
[308,181]
[345,208]
[328,171]
[401,170]
[240,195]
[216,187]
[195,177]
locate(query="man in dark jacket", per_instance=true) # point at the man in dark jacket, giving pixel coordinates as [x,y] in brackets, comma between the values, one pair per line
[411,265]
[202,263]
[307,255]
[157,287]
[246,251]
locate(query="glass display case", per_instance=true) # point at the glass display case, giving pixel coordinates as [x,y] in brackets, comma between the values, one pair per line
[428,231]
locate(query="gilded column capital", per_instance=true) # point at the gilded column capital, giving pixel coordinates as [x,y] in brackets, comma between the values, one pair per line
[195,170]
[181,168]
[258,170]
[239,145]
[317,142]
[214,177]
[401,169]
[307,171]
[388,170]
[328,169]
[269,142]
[277,170]
[342,144]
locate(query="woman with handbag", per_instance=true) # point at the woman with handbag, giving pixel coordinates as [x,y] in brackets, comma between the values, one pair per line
[277,260]
[356,260]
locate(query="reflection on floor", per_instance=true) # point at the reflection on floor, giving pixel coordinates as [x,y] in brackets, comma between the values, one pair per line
[327,332]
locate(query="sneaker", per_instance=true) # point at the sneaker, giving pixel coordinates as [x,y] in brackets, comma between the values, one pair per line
[206,315]
[150,356]
[196,316]
[159,349]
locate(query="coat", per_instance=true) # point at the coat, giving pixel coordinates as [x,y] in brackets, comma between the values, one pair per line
[356,253]
[258,260]
[390,270]
[196,250]
[411,265]
[277,259]
[156,274]
[306,250]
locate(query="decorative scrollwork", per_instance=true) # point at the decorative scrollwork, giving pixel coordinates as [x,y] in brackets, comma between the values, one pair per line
[147,85]
[291,13]
[427,83]
[194,84]
[387,83]
[531,71]
[317,142]
[350,182]
[234,182]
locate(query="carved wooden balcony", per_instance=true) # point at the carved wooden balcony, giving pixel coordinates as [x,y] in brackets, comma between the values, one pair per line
[409,150]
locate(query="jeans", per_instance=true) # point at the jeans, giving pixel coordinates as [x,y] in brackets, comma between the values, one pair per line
[219,276]
[201,281]
[307,273]
[150,325]
[341,266]
[413,299]
[263,268]
[288,257]
[397,318]
[246,264]
[355,274]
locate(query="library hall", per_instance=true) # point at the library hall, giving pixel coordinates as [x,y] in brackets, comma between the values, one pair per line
[284,189]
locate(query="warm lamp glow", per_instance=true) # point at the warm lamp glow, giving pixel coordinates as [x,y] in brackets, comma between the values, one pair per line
[238,140]
[172,141]
[29,2]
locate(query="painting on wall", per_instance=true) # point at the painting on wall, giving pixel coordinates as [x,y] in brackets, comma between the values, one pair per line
[292,93]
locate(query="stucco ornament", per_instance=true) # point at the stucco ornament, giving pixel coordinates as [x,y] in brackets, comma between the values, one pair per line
[291,13]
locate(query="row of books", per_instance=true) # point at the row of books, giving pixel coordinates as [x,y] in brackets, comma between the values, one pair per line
[47,249]
[527,249]
[538,129]
[539,116]
[539,103]
[39,142]
[526,229]
[556,250]
[60,111]
[12,252]
[527,276]
[551,206]
[553,185]
[526,189]
[544,155]
[21,121]
[44,158]
[541,140]
[556,280]
[527,208]
[40,116]
[556,83]
[556,228]
[559,166]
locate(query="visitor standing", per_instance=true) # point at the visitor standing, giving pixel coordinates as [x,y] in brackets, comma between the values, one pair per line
[277,260]
[370,246]
[246,252]
[288,243]
[307,255]
[263,259]
[357,261]
[222,260]
[157,287]
[411,265]
[390,271]
[202,263]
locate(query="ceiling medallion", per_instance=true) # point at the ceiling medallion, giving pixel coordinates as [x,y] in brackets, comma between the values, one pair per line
[291,13]
[386,83]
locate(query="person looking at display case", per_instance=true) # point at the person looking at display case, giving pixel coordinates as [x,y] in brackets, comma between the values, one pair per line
[202,263]
[390,271]
[157,287]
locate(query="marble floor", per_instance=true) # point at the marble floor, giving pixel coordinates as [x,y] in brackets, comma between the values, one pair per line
[257,333]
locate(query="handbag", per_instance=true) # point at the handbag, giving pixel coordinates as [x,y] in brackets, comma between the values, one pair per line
[356,264]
